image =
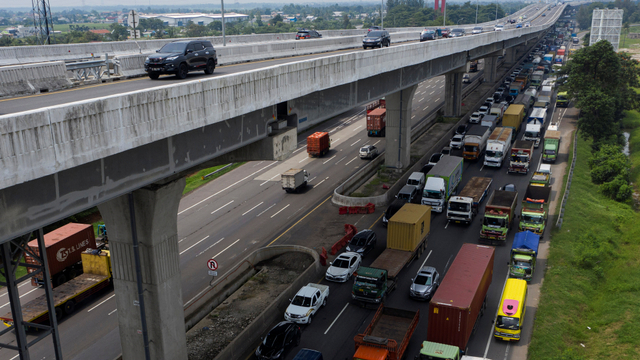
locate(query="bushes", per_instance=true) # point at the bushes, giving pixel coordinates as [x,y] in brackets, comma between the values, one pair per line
[610,169]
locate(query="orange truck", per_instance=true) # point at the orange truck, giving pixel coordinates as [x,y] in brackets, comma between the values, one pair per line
[376,122]
[318,144]
[388,334]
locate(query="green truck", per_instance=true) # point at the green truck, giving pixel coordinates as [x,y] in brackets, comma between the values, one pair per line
[524,253]
[407,235]
[551,144]
[535,209]
[435,351]
[498,215]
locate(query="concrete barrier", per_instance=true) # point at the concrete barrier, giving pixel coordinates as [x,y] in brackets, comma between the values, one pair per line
[236,277]
[33,78]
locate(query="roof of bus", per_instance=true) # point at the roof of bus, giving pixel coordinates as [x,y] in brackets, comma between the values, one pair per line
[513,295]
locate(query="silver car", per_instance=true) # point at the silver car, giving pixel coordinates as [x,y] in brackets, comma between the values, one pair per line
[368,152]
[456,141]
[425,284]
[343,267]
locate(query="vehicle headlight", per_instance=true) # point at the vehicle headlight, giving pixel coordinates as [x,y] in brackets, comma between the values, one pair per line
[171,58]
[348,248]
[146,60]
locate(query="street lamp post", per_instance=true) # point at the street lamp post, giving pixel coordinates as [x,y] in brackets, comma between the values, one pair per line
[496,11]
[224,41]
[458,23]
[476,12]
[381,15]
[444,19]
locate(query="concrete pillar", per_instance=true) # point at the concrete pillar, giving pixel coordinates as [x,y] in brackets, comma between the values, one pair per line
[453,92]
[511,55]
[156,209]
[490,69]
[398,130]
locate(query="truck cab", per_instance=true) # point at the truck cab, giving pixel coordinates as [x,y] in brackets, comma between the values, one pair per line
[434,193]
[523,255]
[370,285]
[532,132]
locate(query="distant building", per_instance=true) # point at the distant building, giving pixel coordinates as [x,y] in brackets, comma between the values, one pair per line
[102,32]
[196,18]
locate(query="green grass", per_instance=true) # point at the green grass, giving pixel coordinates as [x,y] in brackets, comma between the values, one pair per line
[91,26]
[631,123]
[591,290]
[20,272]
[195,181]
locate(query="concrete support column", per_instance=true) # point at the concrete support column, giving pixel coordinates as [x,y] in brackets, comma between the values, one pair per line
[511,55]
[155,212]
[398,130]
[453,92]
[490,69]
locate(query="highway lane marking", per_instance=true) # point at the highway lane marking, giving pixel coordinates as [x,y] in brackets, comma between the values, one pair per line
[425,260]
[69,90]
[375,143]
[295,151]
[313,178]
[378,219]
[113,312]
[431,93]
[181,240]
[357,141]
[227,188]
[421,99]
[318,184]
[356,129]
[425,109]
[248,211]
[265,210]
[335,141]
[214,211]
[447,225]
[270,179]
[438,99]
[336,319]
[105,300]
[187,249]
[19,286]
[297,222]
[305,159]
[350,161]
[207,249]
[412,117]
[441,86]
[21,296]
[282,209]
[486,350]
[329,159]
[225,249]
[258,163]
[337,162]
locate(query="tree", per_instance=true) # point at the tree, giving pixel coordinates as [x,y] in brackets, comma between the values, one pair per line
[194,30]
[345,22]
[276,19]
[118,32]
[610,169]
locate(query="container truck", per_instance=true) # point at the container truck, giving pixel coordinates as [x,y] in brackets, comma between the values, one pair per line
[97,275]
[551,145]
[498,146]
[461,298]
[318,144]
[407,234]
[513,117]
[524,253]
[64,247]
[489,121]
[388,334]
[464,206]
[536,78]
[526,100]
[378,104]
[442,182]
[498,215]
[535,126]
[475,142]
[535,209]
[294,180]
[498,110]
[521,154]
[544,97]
[376,124]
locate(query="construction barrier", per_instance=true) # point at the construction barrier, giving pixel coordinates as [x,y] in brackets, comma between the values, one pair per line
[350,230]
[323,257]
[367,209]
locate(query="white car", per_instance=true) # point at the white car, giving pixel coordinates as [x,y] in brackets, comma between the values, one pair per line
[343,267]
[490,100]
[476,30]
[484,110]
[498,27]
[456,141]
[476,117]
[306,303]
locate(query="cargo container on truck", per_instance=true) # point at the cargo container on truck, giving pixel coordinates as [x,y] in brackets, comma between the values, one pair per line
[524,253]
[318,144]
[498,215]
[521,155]
[376,124]
[535,209]
[464,206]
[544,96]
[498,146]
[513,117]
[294,179]
[498,110]
[63,248]
[97,275]
[551,145]
[442,182]
[535,126]
[378,104]
[537,77]
[489,121]
[475,142]
[388,334]
[461,298]
[407,235]
[526,100]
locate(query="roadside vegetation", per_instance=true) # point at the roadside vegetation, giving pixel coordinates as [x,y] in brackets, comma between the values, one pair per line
[196,180]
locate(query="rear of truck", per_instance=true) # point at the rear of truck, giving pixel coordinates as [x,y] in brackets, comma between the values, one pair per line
[318,144]
[376,122]
[521,153]
[388,334]
[498,215]
[513,117]
[535,209]
[551,146]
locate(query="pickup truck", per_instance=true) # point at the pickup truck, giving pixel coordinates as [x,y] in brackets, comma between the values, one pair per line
[306,303]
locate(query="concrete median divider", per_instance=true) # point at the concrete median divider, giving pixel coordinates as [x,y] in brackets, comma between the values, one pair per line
[33,78]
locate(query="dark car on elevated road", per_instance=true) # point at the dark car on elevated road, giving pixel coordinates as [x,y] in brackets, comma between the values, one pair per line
[182,57]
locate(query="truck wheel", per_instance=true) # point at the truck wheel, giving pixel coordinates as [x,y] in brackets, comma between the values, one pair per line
[60,279]
[210,67]
[58,313]
[154,75]
[69,306]
[72,274]
[324,302]
[183,70]
[310,318]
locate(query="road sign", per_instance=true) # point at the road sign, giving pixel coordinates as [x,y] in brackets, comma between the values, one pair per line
[212,264]
[133,19]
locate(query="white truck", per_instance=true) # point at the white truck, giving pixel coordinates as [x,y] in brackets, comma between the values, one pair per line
[535,126]
[464,206]
[498,146]
[306,303]
[294,179]
[442,182]
[498,110]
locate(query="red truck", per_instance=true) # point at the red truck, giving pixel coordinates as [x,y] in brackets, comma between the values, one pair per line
[63,248]
[388,334]
[378,104]
[461,299]
[376,122]
[318,144]
[521,155]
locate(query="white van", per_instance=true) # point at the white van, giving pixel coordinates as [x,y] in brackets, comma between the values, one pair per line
[417,179]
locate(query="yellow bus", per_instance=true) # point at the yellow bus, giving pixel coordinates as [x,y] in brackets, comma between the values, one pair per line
[512,309]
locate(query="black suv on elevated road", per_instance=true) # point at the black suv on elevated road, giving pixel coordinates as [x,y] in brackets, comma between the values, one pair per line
[181,57]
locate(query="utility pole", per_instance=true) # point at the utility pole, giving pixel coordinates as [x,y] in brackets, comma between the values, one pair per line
[224,39]
[444,19]
[476,12]
[381,15]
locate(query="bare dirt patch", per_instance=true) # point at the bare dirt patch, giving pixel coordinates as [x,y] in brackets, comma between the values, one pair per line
[213,333]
